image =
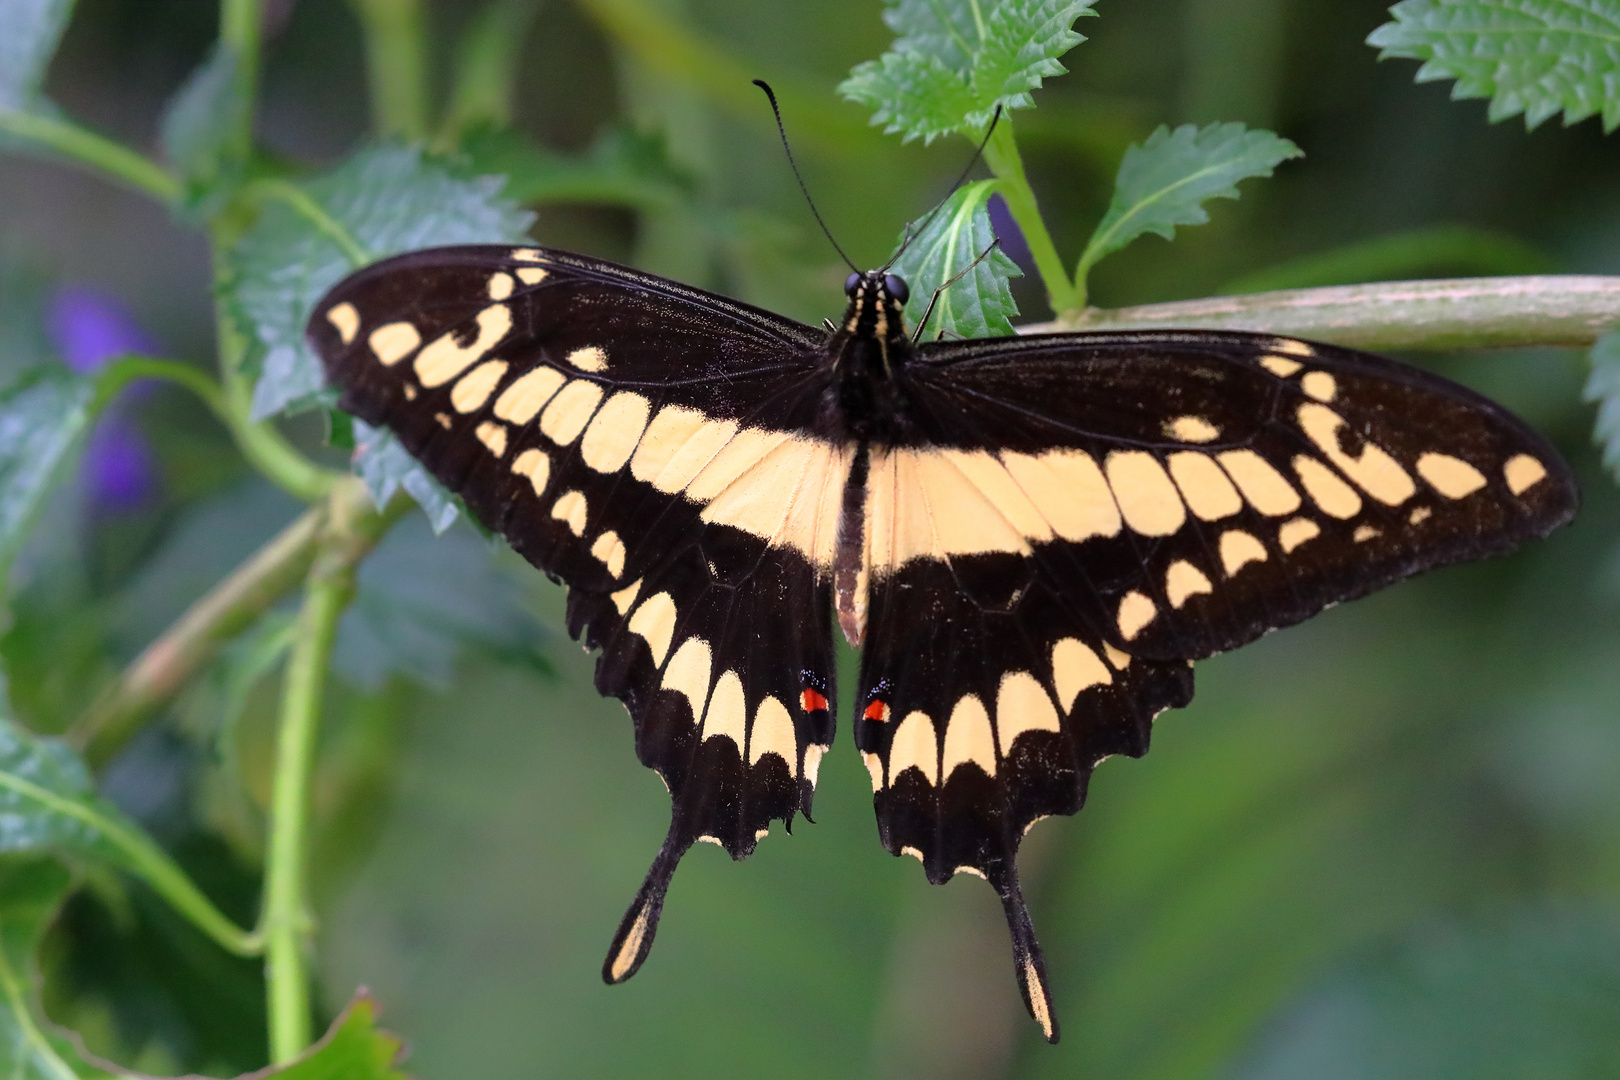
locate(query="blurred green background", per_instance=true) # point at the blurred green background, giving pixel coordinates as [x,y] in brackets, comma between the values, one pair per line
[1383,844]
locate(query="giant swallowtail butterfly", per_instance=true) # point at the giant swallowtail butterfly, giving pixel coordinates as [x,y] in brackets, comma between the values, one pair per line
[1031,538]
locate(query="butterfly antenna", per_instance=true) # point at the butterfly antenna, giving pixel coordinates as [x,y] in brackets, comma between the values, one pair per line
[974,160]
[782,131]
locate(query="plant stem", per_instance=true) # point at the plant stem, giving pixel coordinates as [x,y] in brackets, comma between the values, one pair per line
[300,200]
[350,530]
[96,152]
[1001,154]
[396,63]
[240,24]
[169,664]
[1463,313]
[133,367]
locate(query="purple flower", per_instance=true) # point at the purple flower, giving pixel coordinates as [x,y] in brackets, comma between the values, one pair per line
[90,328]
[1010,235]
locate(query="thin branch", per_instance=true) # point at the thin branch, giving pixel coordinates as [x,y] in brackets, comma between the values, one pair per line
[1462,313]
[96,152]
[301,202]
[396,66]
[1001,154]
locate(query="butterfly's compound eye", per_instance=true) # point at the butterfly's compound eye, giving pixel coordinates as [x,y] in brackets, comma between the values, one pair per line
[851,283]
[897,288]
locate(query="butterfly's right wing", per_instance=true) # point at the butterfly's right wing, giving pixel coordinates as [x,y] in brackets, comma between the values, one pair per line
[642,442]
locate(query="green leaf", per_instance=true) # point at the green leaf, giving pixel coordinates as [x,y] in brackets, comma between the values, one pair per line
[954,62]
[1603,387]
[1528,56]
[623,167]
[1534,995]
[386,466]
[422,601]
[200,119]
[31,891]
[386,199]
[1164,182]
[29,32]
[351,1049]
[48,805]
[980,304]
[43,417]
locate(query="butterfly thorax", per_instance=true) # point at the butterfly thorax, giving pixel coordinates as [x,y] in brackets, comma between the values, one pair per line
[868,350]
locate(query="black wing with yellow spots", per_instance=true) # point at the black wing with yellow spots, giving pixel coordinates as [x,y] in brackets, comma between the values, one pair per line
[1031,538]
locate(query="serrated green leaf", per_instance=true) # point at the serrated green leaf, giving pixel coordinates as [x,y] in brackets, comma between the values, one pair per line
[200,118]
[31,892]
[954,62]
[388,199]
[1603,388]
[1534,57]
[29,33]
[43,418]
[352,1049]
[1165,181]
[978,305]
[386,466]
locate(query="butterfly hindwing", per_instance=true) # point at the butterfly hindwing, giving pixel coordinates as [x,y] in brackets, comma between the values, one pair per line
[609,425]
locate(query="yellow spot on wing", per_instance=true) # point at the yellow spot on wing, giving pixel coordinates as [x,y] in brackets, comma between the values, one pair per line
[590,358]
[570,508]
[625,958]
[520,402]
[536,466]
[1451,477]
[915,746]
[531,275]
[345,320]
[493,436]
[1204,485]
[1183,581]
[626,596]
[1075,667]
[570,411]
[1238,549]
[772,733]
[476,386]
[690,458]
[727,714]
[1193,429]
[500,286]
[1293,347]
[609,551]
[1364,533]
[444,357]
[968,737]
[1335,497]
[812,761]
[1261,484]
[1280,366]
[1296,532]
[1319,385]
[1522,472]
[1374,471]
[1069,490]
[1135,612]
[612,435]
[1023,705]
[394,342]
[688,674]
[874,768]
[654,621]
[527,255]
[1147,498]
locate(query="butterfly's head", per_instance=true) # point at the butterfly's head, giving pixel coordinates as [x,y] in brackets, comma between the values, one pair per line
[877,304]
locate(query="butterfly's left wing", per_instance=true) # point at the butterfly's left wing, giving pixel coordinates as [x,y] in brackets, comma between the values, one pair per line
[617,428]
[1073,519]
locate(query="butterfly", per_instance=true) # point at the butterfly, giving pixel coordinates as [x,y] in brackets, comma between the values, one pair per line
[1030,539]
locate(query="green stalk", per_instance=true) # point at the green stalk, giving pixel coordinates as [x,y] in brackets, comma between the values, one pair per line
[96,152]
[301,202]
[396,66]
[1001,154]
[240,23]
[287,924]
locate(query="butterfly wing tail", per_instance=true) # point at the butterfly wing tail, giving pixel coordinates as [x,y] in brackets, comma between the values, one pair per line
[634,938]
[1028,963]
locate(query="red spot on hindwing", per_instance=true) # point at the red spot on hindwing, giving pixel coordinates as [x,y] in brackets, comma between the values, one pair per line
[878,710]
[814,700]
